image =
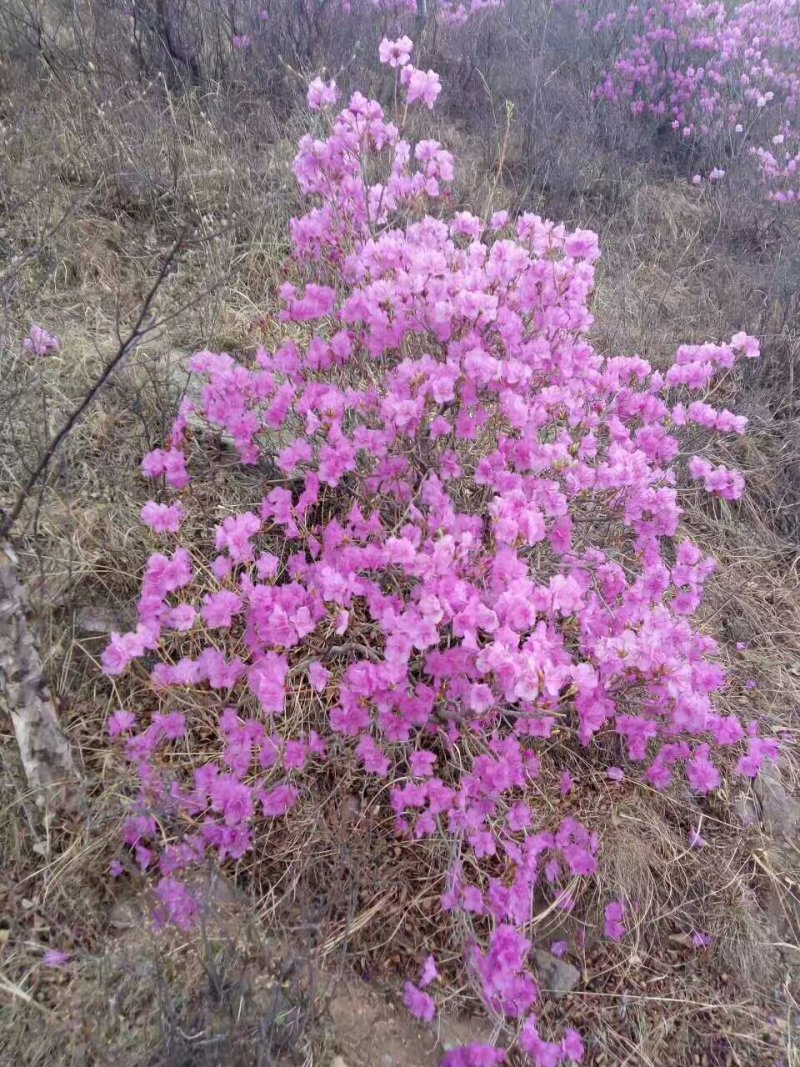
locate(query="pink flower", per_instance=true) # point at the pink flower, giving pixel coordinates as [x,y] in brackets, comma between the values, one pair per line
[395,53]
[181,618]
[40,342]
[418,1003]
[235,533]
[614,915]
[232,799]
[373,759]
[702,774]
[322,95]
[176,903]
[318,676]
[278,801]
[121,722]
[172,726]
[266,678]
[582,244]
[748,346]
[429,972]
[420,85]
[56,957]
[572,1046]
[615,774]
[163,518]
[421,763]
[219,608]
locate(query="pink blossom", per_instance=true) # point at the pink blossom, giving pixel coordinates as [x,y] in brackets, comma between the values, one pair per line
[219,608]
[702,774]
[321,94]
[121,722]
[395,53]
[421,763]
[418,1003]
[420,85]
[163,518]
[56,957]
[572,1046]
[40,342]
[318,676]
[429,972]
[614,916]
[279,800]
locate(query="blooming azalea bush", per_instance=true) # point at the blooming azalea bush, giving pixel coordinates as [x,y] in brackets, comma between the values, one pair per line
[724,75]
[467,545]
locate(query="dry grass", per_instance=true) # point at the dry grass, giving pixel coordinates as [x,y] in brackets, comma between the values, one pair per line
[97,181]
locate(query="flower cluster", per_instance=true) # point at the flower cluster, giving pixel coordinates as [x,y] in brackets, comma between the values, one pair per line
[713,72]
[469,547]
[40,342]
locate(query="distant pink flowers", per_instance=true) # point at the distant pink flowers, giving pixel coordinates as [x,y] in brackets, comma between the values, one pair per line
[322,94]
[56,957]
[395,53]
[710,71]
[40,342]
[420,85]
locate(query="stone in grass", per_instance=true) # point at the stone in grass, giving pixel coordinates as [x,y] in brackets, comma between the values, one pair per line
[556,976]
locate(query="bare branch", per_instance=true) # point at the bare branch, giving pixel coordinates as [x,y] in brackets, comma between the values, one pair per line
[140,328]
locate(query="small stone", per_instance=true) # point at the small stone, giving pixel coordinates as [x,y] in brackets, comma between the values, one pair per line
[780,813]
[556,976]
[97,619]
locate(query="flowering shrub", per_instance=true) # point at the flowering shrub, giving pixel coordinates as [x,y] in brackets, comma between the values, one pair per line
[726,73]
[469,542]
